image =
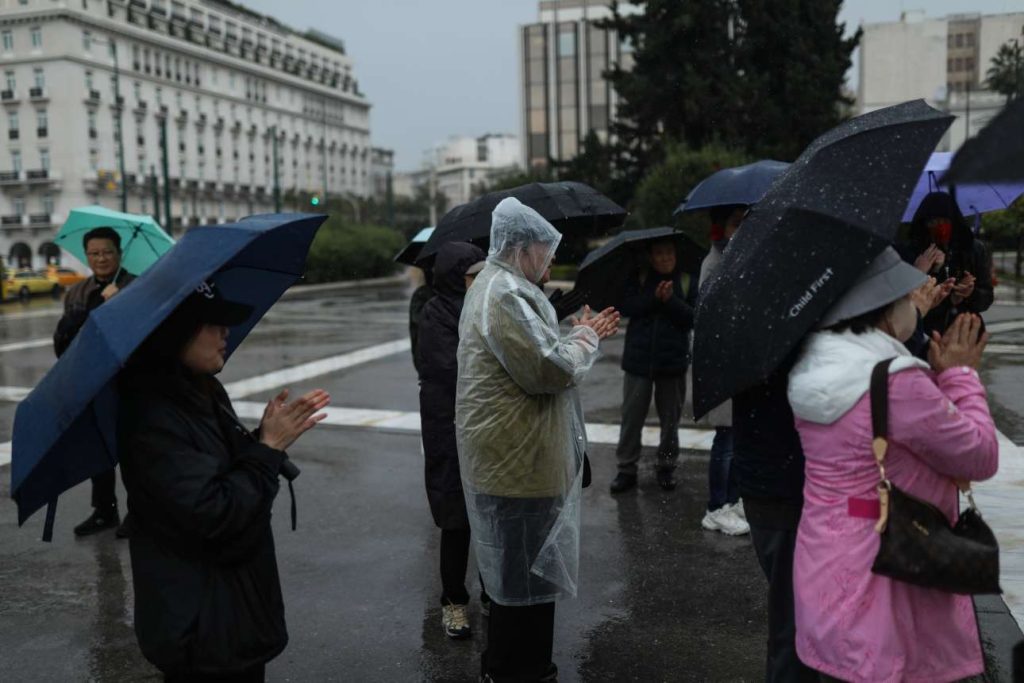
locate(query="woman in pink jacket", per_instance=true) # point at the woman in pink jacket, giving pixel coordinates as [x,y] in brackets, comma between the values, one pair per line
[851,624]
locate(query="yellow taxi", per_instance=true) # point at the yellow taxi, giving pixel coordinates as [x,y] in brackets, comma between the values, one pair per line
[26,283]
[65,277]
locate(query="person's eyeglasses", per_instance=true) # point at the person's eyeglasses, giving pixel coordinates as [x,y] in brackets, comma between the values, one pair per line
[99,254]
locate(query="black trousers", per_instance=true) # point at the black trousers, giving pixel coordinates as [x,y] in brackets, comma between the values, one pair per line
[774,548]
[104,489]
[519,643]
[257,674]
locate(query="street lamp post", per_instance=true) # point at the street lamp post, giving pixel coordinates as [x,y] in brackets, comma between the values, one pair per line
[118,124]
[277,178]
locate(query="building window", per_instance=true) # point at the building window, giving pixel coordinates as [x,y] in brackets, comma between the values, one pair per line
[39,77]
[94,159]
[959,40]
[42,126]
[12,83]
[145,60]
[970,40]
[87,41]
[949,64]
[969,63]
[137,89]
[19,205]
[88,80]
[47,204]
[15,160]
[91,116]
[8,38]
[37,37]
[135,58]
[12,125]
[44,159]
[958,64]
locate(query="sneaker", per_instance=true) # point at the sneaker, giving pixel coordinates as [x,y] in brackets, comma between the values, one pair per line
[623,482]
[455,621]
[99,520]
[738,510]
[666,479]
[725,520]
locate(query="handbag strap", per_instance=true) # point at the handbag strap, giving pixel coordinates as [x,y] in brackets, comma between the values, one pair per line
[879,394]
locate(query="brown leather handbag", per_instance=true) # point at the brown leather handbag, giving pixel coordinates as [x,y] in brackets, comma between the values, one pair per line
[918,544]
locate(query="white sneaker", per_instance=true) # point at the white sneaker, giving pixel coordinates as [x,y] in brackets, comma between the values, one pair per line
[738,510]
[725,520]
[455,621]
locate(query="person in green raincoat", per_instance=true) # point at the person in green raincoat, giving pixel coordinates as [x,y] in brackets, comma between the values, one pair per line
[521,439]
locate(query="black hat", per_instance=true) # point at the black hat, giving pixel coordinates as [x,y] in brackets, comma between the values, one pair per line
[207,305]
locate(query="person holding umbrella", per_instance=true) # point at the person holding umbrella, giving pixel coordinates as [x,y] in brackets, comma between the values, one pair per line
[102,247]
[521,440]
[208,602]
[654,360]
[456,265]
[724,510]
[942,245]
[853,624]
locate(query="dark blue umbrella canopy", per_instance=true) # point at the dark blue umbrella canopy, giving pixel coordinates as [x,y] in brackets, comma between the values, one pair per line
[65,429]
[823,220]
[744,185]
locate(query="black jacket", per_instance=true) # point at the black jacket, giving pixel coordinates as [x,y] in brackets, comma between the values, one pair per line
[438,370]
[768,458]
[657,341]
[200,492]
[964,254]
[78,302]
[419,299]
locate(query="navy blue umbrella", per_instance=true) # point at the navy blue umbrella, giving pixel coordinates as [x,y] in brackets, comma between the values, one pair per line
[739,185]
[65,429]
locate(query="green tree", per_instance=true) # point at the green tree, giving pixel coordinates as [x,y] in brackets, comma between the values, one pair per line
[665,186]
[1005,74]
[792,60]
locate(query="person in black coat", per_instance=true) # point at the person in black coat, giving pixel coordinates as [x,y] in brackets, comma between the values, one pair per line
[943,246]
[655,359]
[208,603]
[420,296]
[456,264]
[103,252]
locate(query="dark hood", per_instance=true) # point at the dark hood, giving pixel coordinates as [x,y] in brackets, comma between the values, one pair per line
[939,205]
[453,260]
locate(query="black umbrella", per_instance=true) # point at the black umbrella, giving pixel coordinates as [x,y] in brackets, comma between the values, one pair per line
[411,251]
[569,206]
[995,154]
[805,243]
[603,273]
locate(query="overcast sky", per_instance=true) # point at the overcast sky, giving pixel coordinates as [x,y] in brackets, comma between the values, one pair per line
[434,68]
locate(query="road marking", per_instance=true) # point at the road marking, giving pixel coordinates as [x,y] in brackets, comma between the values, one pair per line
[1005,326]
[30,344]
[300,373]
[56,311]
[5,453]
[409,423]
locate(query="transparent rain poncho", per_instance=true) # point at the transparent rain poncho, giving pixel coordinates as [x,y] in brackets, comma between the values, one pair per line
[518,417]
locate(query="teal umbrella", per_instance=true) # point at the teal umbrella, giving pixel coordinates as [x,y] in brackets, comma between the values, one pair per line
[143,241]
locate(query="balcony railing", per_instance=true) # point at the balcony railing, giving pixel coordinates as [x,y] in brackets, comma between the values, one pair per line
[7,95]
[14,219]
[38,219]
[13,134]
[37,93]
[38,174]
[42,132]
[93,95]
[10,176]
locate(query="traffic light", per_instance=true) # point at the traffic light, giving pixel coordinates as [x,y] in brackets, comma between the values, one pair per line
[314,200]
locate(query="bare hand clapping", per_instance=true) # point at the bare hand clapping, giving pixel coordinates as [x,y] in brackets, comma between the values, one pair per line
[605,323]
[663,292]
[930,294]
[285,422]
[960,345]
[929,259]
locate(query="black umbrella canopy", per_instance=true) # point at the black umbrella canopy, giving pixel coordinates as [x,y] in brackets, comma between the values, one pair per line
[603,273]
[995,154]
[805,243]
[569,206]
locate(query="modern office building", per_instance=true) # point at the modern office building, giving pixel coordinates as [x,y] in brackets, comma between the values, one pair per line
[205,84]
[563,58]
[942,60]
[462,163]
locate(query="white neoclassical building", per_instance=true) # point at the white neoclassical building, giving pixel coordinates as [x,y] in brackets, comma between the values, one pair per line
[216,80]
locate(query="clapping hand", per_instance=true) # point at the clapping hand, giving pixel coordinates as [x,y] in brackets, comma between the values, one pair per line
[929,259]
[285,422]
[930,294]
[960,345]
[605,323]
[964,288]
[663,292]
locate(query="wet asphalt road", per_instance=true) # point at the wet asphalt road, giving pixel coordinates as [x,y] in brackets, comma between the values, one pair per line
[660,599]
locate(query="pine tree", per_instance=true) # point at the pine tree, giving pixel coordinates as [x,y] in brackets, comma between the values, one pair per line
[1006,73]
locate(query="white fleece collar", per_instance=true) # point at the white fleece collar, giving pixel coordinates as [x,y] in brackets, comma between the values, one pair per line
[834,371]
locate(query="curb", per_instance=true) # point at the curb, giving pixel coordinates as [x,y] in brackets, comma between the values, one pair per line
[392,281]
